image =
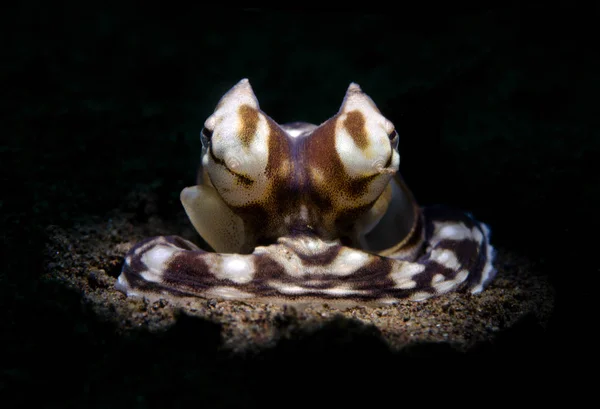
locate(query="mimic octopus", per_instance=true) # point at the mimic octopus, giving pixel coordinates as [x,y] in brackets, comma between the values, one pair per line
[303,212]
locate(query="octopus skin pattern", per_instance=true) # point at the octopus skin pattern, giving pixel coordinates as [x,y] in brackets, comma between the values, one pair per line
[303,212]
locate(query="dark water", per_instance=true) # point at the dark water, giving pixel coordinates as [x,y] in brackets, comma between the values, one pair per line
[497,114]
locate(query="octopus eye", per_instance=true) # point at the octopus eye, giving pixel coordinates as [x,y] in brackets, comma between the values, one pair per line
[205,136]
[394,138]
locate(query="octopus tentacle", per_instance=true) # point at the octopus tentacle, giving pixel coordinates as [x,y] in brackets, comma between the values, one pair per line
[456,255]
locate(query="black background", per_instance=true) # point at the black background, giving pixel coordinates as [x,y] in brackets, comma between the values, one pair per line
[497,113]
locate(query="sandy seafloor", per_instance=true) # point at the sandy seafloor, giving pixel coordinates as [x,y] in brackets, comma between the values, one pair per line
[88,257]
[101,110]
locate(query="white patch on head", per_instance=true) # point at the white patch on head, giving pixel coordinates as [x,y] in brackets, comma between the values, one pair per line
[247,160]
[240,94]
[296,129]
[445,257]
[368,160]
[229,293]
[294,133]
[242,157]
[128,260]
[356,99]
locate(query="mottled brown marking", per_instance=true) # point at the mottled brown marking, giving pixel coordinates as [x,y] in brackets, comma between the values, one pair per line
[321,155]
[322,201]
[282,198]
[374,277]
[355,125]
[345,220]
[358,186]
[262,226]
[279,152]
[248,124]
[190,271]
[466,252]
[267,269]
[243,180]
[174,273]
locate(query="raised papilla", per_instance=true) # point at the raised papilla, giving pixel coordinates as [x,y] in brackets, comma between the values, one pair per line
[304,212]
